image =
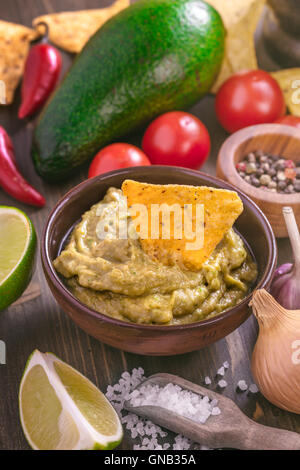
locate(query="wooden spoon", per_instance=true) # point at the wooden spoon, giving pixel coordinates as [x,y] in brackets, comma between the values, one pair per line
[231,429]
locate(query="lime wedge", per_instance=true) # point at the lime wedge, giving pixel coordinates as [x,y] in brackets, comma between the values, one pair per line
[60,409]
[17,254]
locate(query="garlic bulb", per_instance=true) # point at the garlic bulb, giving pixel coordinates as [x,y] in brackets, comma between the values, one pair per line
[286,281]
[276,356]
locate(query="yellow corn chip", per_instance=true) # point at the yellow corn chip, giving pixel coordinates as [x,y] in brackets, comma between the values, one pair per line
[14,47]
[192,220]
[71,30]
[240,19]
[289,82]
[232,11]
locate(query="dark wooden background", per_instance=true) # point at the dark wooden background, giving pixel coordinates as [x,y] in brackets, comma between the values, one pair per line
[40,324]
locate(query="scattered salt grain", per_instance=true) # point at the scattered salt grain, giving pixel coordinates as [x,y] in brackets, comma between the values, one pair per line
[226,365]
[181,443]
[216,411]
[253,388]
[221,371]
[242,385]
[222,383]
[207,381]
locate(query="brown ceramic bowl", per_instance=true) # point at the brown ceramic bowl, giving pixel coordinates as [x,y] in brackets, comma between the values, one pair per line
[148,339]
[275,139]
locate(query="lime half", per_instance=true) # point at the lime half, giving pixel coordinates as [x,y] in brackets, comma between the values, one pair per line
[60,409]
[17,253]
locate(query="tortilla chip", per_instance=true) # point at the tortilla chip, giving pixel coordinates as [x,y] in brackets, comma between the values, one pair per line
[289,82]
[240,20]
[14,47]
[71,30]
[232,11]
[220,210]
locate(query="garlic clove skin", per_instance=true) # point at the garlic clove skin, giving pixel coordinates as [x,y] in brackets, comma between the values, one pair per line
[283,269]
[286,289]
[285,286]
[275,361]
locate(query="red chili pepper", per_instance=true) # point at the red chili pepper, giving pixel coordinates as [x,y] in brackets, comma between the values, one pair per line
[42,69]
[11,180]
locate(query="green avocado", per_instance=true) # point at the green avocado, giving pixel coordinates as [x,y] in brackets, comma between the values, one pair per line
[153,57]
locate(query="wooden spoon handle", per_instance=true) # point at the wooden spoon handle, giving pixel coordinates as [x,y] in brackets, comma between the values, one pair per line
[259,437]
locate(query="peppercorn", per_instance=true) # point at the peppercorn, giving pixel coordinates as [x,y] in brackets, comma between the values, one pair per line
[270,172]
[250,168]
[265,180]
[255,182]
[281,185]
[251,158]
[281,176]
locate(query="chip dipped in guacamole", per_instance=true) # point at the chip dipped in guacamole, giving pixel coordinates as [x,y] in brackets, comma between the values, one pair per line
[119,261]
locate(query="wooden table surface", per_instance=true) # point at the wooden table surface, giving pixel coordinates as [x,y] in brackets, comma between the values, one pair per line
[41,324]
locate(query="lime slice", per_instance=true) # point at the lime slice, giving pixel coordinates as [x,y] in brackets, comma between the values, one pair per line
[17,254]
[60,409]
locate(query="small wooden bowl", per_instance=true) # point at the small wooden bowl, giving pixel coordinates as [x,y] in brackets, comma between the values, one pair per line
[153,340]
[275,139]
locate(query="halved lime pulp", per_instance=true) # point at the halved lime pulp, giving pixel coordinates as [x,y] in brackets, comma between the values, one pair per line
[17,252]
[60,409]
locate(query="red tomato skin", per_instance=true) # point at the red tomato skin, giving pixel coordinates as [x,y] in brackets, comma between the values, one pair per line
[178,139]
[116,156]
[248,98]
[289,120]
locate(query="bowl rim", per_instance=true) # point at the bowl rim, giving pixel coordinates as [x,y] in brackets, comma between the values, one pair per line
[234,141]
[129,172]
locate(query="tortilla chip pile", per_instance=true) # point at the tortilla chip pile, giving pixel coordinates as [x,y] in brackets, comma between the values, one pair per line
[240,19]
[14,47]
[71,30]
[68,30]
[221,209]
[289,82]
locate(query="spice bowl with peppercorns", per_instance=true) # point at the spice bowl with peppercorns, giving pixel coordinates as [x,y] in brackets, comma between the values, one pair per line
[271,172]
[263,161]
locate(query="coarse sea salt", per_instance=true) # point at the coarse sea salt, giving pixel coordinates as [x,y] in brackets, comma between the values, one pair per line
[242,385]
[222,383]
[221,371]
[147,435]
[174,398]
[207,380]
[253,388]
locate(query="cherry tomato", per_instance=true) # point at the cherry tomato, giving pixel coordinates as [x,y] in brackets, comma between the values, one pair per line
[177,138]
[116,156]
[289,120]
[248,98]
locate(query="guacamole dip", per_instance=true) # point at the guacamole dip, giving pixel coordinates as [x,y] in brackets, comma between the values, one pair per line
[117,278]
